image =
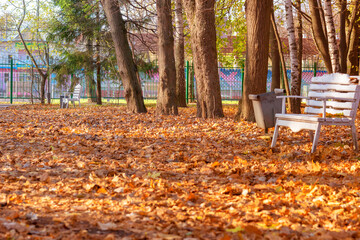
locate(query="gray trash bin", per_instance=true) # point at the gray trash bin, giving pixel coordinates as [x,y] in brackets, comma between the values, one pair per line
[63,104]
[266,105]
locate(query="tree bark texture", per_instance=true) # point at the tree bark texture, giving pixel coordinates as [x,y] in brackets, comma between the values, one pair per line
[353,55]
[201,18]
[179,55]
[330,27]
[166,100]
[295,73]
[257,49]
[126,65]
[98,73]
[299,27]
[89,76]
[275,61]
[320,37]
[98,64]
[342,35]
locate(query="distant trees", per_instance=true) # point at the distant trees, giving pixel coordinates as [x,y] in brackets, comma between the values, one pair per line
[40,56]
[79,35]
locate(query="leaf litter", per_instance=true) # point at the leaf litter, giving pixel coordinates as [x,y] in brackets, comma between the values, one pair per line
[103,173]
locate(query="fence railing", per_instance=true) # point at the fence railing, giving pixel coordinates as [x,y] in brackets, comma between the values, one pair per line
[19,80]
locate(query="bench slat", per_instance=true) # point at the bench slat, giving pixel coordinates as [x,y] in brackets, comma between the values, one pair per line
[333,104]
[313,94]
[345,113]
[332,87]
[335,78]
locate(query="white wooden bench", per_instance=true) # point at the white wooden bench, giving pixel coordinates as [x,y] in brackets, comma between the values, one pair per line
[75,96]
[333,99]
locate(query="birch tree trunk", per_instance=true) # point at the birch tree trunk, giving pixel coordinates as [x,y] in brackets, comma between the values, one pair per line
[166,100]
[201,18]
[299,31]
[330,27]
[179,55]
[295,74]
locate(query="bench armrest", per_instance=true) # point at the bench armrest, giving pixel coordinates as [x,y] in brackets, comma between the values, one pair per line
[283,108]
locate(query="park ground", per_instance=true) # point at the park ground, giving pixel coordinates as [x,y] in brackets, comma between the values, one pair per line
[102,173]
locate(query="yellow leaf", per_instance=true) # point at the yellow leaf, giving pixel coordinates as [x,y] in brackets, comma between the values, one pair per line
[215,164]
[101,190]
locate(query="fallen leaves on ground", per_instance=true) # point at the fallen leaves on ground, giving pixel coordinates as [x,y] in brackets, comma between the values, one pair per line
[103,173]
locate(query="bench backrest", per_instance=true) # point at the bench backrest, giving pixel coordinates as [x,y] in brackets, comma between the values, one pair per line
[76,93]
[334,85]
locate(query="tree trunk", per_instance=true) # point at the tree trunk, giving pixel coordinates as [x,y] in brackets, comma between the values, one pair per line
[126,65]
[299,28]
[342,33]
[320,38]
[90,82]
[166,100]
[257,49]
[98,63]
[179,55]
[42,87]
[283,64]
[295,74]
[98,74]
[201,17]
[275,61]
[353,55]
[330,27]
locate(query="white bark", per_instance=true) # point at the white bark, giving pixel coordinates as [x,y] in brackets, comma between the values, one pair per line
[295,74]
[330,28]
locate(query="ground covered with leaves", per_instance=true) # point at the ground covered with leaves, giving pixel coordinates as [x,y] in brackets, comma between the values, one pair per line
[102,173]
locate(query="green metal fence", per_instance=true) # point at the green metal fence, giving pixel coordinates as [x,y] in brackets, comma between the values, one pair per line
[19,80]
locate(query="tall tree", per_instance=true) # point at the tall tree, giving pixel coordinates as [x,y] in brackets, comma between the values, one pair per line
[166,100]
[201,17]
[179,55]
[342,4]
[275,61]
[299,31]
[295,73]
[41,57]
[330,27]
[320,36]
[126,65]
[257,49]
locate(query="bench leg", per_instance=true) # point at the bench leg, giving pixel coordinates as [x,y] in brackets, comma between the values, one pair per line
[316,138]
[354,137]
[276,134]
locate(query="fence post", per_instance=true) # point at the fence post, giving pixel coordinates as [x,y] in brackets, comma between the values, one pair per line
[315,69]
[187,82]
[242,78]
[11,78]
